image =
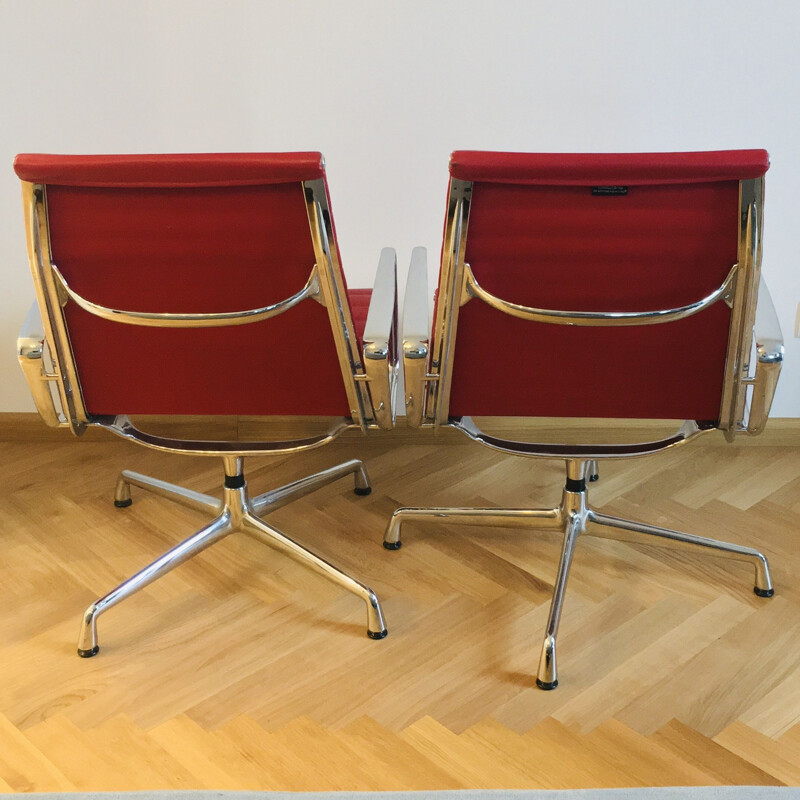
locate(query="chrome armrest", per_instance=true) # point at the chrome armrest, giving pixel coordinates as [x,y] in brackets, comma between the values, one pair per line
[769,357]
[380,340]
[30,352]
[416,336]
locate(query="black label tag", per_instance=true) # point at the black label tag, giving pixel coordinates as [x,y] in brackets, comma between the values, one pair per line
[609,191]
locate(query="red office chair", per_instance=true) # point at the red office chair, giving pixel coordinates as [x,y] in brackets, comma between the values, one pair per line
[203,284]
[618,286]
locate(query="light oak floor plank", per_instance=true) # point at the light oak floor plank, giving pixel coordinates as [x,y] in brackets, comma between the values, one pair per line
[244,670]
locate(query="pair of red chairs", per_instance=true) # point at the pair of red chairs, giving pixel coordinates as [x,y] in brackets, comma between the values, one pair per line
[616,286]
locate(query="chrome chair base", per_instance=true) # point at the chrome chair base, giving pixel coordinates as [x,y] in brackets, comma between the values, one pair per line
[236,512]
[574,517]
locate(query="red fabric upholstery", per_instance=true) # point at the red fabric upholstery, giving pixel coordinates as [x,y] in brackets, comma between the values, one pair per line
[587,169]
[197,248]
[191,169]
[660,246]
[359,306]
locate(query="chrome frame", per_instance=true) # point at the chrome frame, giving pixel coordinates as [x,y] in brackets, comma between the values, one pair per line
[158,319]
[237,512]
[737,364]
[121,425]
[427,364]
[369,385]
[573,516]
[369,380]
[416,338]
[334,298]
[451,290]
[598,318]
[427,369]
[769,359]
[64,374]
[379,343]
[31,350]
[592,452]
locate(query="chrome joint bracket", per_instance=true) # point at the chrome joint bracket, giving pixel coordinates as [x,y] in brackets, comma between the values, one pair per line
[573,517]
[235,513]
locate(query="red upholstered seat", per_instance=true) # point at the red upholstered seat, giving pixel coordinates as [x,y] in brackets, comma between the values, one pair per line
[191,233]
[546,231]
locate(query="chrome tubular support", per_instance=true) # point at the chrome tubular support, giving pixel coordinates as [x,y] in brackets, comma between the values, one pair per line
[744,298]
[65,375]
[763,581]
[376,627]
[277,498]
[451,285]
[573,517]
[333,295]
[769,359]
[416,337]
[122,426]
[495,517]
[593,452]
[599,318]
[576,470]
[547,676]
[234,513]
[171,491]
[234,466]
[205,537]
[31,344]
[380,341]
[574,512]
[168,320]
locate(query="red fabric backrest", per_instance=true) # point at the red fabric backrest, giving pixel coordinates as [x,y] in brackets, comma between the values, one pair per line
[538,236]
[191,233]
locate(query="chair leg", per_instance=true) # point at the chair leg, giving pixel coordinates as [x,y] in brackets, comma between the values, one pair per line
[186,497]
[376,627]
[763,581]
[269,501]
[592,472]
[496,517]
[547,677]
[205,537]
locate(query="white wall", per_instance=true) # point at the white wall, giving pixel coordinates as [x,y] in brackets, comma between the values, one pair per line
[386,90]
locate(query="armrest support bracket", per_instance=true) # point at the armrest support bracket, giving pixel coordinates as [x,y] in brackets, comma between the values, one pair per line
[380,340]
[416,337]
[30,352]
[769,358]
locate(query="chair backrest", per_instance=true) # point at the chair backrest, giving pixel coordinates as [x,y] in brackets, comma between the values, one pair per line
[616,242]
[161,236]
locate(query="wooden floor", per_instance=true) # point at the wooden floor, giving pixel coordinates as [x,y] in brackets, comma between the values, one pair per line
[243,670]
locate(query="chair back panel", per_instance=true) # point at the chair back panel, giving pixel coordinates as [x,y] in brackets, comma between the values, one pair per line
[187,242]
[552,242]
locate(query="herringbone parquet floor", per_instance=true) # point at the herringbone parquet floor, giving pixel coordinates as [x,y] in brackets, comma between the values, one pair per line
[243,670]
